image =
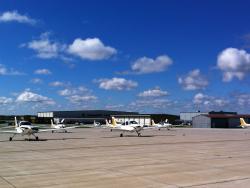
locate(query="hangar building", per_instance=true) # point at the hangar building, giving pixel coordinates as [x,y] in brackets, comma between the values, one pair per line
[88,116]
[187,116]
[219,120]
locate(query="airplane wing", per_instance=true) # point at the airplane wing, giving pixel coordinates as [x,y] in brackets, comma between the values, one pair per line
[53,129]
[9,132]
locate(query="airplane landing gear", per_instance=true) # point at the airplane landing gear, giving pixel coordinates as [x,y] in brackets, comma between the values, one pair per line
[121,135]
[11,138]
[139,134]
[37,138]
[52,131]
[65,131]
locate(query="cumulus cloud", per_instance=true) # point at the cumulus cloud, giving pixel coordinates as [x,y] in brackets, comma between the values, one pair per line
[5,71]
[36,81]
[57,84]
[91,49]
[115,107]
[14,16]
[78,95]
[73,91]
[156,103]
[157,92]
[78,99]
[145,65]
[116,84]
[28,97]
[193,80]
[44,47]
[233,63]
[42,71]
[207,101]
[5,100]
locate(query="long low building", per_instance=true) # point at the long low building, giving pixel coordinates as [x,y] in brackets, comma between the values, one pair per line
[219,120]
[88,116]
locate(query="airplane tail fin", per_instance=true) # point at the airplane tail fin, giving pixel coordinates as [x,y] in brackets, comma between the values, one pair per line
[52,124]
[16,124]
[153,122]
[113,122]
[107,123]
[242,122]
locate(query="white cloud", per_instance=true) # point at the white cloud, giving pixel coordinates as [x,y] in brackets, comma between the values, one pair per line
[207,101]
[14,16]
[78,95]
[147,65]
[157,92]
[5,100]
[28,96]
[42,71]
[73,91]
[91,49]
[57,84]
[233,63]
[5,71]
[116,84]
[153,103]
[44,47]
[193,80]
[115,107]
[36,81]
[78,99]
[242,99]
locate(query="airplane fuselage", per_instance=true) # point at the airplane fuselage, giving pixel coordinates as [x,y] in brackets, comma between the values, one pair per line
[27,129]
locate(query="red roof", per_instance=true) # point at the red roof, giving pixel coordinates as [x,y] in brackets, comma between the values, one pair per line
[228,115]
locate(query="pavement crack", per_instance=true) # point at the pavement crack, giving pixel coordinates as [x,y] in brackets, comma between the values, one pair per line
[8,182]
[213,183]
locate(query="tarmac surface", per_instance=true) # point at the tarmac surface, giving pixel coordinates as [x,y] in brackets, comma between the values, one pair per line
[95,157]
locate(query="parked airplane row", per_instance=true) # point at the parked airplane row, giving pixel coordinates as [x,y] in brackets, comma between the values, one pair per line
[26,128]
[133,126]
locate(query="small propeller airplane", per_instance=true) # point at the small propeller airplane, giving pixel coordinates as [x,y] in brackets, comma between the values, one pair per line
[127,126]
[25,128]
[161,125]
[60,126]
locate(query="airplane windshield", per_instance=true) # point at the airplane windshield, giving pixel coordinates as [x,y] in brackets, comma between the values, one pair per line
[25,123]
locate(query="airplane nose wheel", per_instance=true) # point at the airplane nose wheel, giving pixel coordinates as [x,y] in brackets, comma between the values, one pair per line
[139,134]
[37,138]
[10,139]
[121,135]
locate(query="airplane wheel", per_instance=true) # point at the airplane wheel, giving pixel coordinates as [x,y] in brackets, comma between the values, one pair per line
[139,134]
[159,129]
[52,131]
[65,131]
[37,138]
[110,130]
[10,139]
[121,135]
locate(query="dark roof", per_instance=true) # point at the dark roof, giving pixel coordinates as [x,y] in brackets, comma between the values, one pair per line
[228,115]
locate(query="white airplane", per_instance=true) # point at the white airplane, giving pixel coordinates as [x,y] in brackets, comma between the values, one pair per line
[24,128]
[58,126]
[243,124]
[128,126]
[160,125]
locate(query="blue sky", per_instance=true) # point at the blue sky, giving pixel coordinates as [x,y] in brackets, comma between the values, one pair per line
[146,56]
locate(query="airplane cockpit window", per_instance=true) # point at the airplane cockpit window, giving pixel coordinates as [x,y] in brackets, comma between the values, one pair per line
[25,123]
